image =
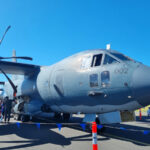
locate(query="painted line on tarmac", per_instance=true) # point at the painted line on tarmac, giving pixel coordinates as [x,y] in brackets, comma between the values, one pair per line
[126,139]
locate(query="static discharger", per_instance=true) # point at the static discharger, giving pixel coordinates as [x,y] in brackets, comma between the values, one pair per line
[108,47]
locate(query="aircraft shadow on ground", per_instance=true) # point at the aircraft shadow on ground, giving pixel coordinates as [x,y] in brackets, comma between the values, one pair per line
[32,136]
[130,133]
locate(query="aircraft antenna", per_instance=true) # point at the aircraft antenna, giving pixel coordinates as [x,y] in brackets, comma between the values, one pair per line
[108,47]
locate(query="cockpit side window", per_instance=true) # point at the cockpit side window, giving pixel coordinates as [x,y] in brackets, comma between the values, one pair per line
[97,59]
[109,60]
[86,62]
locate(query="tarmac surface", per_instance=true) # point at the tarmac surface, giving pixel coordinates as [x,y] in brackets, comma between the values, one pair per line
[126,136]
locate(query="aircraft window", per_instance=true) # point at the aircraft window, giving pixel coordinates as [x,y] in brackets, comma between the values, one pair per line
[86,62]
[94,80]
[109,60]
[96,60]
[122,57]
[105,78]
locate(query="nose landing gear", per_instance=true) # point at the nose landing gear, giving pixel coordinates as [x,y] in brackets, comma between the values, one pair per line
[102,129]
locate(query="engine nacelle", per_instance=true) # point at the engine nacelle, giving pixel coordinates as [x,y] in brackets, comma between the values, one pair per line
[24,87]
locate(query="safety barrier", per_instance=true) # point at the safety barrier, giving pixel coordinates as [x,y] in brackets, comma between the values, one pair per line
[95,127]
[84,125]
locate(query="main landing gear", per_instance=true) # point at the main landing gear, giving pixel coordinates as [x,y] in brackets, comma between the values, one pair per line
[21,117]
[62,116]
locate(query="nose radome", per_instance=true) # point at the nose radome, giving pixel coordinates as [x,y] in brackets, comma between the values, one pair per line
[141,84]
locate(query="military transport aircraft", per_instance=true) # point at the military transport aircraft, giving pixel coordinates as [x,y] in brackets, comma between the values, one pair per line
[91,82]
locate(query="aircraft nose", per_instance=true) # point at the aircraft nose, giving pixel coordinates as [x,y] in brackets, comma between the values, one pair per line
[141,84]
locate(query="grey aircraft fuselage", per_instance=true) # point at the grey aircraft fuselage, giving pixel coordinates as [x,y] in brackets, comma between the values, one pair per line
[94,81]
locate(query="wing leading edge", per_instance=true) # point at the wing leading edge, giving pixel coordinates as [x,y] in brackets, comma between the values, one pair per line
[18,68]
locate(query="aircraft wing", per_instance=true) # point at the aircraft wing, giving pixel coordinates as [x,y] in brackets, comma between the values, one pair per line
[18,68]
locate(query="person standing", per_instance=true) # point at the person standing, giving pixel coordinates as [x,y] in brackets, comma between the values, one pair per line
[1,110]
[148,112]
[7,109]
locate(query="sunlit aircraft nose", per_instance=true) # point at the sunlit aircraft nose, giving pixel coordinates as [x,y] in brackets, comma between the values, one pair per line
[141,85]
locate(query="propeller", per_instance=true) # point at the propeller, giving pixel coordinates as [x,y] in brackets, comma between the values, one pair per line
[4,34]
[11,83]
[19,57]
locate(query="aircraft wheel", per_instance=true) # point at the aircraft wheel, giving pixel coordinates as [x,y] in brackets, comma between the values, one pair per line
[66,116]
[57,116]
[17,117]
[25,118]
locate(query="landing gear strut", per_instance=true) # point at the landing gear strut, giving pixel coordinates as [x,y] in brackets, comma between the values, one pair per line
[62,116]
[99,130]
[66,116]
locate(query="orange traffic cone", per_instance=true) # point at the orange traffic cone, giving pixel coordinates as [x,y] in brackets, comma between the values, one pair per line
[94,136]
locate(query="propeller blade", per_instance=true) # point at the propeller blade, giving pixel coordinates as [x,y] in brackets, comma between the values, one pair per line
[11,83]
[22,57]
[2,83]
[5,34]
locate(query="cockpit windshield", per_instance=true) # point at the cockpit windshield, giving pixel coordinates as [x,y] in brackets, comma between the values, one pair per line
[109,60]
[122,57]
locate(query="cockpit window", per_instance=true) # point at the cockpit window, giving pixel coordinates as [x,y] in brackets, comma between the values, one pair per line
[86,62]
[109,60]
[97,59]
[122,57]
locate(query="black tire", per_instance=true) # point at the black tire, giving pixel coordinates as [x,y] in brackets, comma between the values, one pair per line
[66,116]
[97,120]
[99,131]
[25,118]
[18,117]
[57,116]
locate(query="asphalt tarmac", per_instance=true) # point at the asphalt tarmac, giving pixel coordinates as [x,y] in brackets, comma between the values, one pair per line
[126,136]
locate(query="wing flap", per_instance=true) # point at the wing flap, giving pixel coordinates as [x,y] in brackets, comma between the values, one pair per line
[18,68]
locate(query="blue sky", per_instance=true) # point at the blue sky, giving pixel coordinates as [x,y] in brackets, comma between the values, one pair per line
[50,30]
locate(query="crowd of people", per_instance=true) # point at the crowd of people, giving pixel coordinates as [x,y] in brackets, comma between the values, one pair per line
[5,109]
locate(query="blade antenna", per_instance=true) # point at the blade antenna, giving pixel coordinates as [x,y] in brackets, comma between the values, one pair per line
[11,83]
[4,34]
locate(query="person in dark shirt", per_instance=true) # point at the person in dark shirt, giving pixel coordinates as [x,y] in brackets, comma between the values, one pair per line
[1,110]
[7,109]
[148,112]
